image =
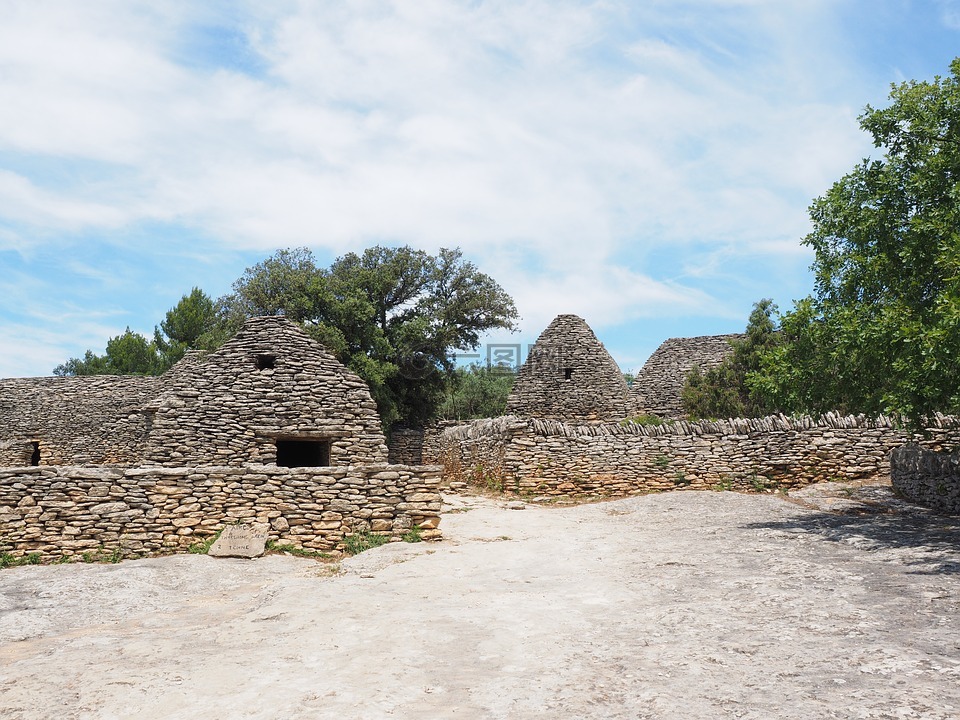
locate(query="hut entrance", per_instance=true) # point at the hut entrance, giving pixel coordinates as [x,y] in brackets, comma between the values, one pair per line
[303,453]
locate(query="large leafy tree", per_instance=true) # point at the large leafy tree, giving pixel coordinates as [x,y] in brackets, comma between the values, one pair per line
[722,391]
[393,315]
[882,331]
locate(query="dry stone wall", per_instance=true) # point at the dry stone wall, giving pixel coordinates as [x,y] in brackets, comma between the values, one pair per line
[659,383]
[434,441]
[536,457]
[66,511]
[73,420]
[927,477]
[419,446]
[406,446]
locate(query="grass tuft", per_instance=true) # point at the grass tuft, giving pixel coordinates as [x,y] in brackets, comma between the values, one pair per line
[356,543]
[203,547]
[413,535]
[9,560]
[297,551]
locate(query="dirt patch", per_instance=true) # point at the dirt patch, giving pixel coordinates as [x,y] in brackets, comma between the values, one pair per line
[679,605]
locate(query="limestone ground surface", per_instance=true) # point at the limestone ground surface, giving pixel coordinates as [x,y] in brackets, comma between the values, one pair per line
[836,602]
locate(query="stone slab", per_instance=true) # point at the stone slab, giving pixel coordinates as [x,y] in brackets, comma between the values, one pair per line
[243,540]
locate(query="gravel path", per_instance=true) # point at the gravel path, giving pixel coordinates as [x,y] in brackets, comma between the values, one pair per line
[834,603]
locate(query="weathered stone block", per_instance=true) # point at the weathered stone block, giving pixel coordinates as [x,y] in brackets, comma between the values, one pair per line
[240,541]
[109,508]
[185,522]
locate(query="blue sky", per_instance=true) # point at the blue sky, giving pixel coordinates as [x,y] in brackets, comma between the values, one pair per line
[646,165]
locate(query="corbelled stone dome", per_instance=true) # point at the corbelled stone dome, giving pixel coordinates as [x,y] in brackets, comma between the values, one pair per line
[659,384]
[570,376]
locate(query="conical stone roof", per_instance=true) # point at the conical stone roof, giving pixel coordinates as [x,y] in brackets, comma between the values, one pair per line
[570,376]
[659,385]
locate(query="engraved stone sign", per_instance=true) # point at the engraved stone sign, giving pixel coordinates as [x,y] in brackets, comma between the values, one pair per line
[241,540]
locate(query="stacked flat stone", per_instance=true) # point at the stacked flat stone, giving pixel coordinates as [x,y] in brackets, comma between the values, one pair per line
[73,420]
[569,375]
[227,408]
[169,460]
[658,385]
[927,477]
[67,511]
[270,381]
[528,456]
[406,446]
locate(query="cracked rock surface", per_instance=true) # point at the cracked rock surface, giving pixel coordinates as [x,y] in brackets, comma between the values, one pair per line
[835,602]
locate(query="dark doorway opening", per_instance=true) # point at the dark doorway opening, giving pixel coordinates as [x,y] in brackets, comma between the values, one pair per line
[303,453]
[567,373]
[35,456]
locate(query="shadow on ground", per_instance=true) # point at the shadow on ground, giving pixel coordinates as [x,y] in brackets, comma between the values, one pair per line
[874,520]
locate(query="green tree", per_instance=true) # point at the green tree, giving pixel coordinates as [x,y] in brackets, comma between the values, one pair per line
[393,315]
[882,331]
[723,391]
[89,364]
[193,323]
[477,391]
[127,354]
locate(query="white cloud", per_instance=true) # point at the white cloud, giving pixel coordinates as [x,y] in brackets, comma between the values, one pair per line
[424,123]
[604,294]
[37,347]
[588,134]
[22,201]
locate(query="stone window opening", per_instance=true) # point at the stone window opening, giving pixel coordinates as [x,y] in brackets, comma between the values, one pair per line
[35,455]
[568,373]
[265,361]
[303,453]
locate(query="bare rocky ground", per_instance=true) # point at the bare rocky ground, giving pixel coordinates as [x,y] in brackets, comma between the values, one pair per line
[837,602]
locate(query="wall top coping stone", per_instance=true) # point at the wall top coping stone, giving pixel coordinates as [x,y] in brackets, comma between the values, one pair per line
[164,471]
[512,424]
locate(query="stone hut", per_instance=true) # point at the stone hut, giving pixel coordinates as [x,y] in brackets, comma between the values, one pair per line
[570,376]
[73,420]
[270,395]
[659,383]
